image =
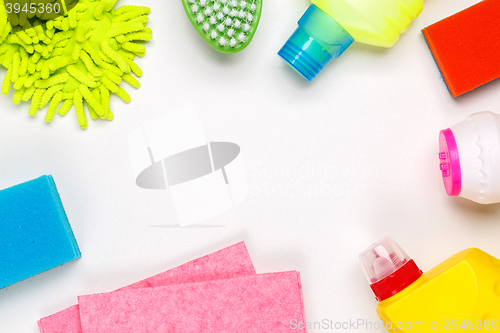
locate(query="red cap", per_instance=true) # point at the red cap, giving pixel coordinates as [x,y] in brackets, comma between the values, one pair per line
[388,268]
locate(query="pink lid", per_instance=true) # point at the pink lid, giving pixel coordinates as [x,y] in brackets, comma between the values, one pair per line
[450,163]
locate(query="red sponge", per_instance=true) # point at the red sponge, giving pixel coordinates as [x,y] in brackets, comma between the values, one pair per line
[466,46]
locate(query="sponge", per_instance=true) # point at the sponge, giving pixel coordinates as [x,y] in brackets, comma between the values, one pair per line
[35,233]
[466,46]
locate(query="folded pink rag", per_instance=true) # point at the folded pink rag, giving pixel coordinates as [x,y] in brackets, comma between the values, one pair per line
[230,262]
[255,303]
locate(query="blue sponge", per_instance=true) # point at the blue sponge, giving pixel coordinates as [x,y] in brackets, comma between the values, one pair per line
[35,234]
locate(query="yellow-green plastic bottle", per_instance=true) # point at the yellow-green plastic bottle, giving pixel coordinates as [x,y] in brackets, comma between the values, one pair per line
[329,27]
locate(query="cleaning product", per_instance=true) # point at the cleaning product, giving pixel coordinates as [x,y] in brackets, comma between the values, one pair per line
[226,25]
[469,155]
[329,27]
[262,303]
[35,233]
[466,68]
[461,293]
[231,262]
[80,56]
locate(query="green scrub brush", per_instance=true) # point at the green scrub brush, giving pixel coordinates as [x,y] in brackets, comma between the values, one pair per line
[226,25]
[81,56]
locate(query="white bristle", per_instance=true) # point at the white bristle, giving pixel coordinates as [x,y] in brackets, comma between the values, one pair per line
[233,15]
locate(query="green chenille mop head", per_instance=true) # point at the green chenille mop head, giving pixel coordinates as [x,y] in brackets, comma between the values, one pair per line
[83,55]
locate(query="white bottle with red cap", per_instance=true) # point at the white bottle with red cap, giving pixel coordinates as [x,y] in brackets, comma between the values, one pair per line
[469,154]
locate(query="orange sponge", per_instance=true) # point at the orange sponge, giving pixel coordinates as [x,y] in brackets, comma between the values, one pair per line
[466,46]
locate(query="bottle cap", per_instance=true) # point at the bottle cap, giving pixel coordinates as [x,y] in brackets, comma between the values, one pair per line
[317,40]
[449,163]
[388,268]
[469,155]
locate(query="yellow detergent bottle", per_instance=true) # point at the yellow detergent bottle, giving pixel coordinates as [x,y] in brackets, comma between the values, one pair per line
[460,294]
[329,27]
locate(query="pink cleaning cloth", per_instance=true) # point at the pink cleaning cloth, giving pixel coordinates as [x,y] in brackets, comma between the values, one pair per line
[233,261]
[257,303]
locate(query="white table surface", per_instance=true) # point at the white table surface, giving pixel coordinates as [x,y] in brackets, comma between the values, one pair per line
[333,166]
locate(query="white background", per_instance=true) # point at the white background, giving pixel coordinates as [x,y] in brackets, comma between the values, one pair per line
[333,165]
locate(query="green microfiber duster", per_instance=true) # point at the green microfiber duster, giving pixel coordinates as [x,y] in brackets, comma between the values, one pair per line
[81,56]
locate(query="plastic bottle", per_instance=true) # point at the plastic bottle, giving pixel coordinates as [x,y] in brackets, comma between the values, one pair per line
[329,27]
[463,291]
[469,155]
